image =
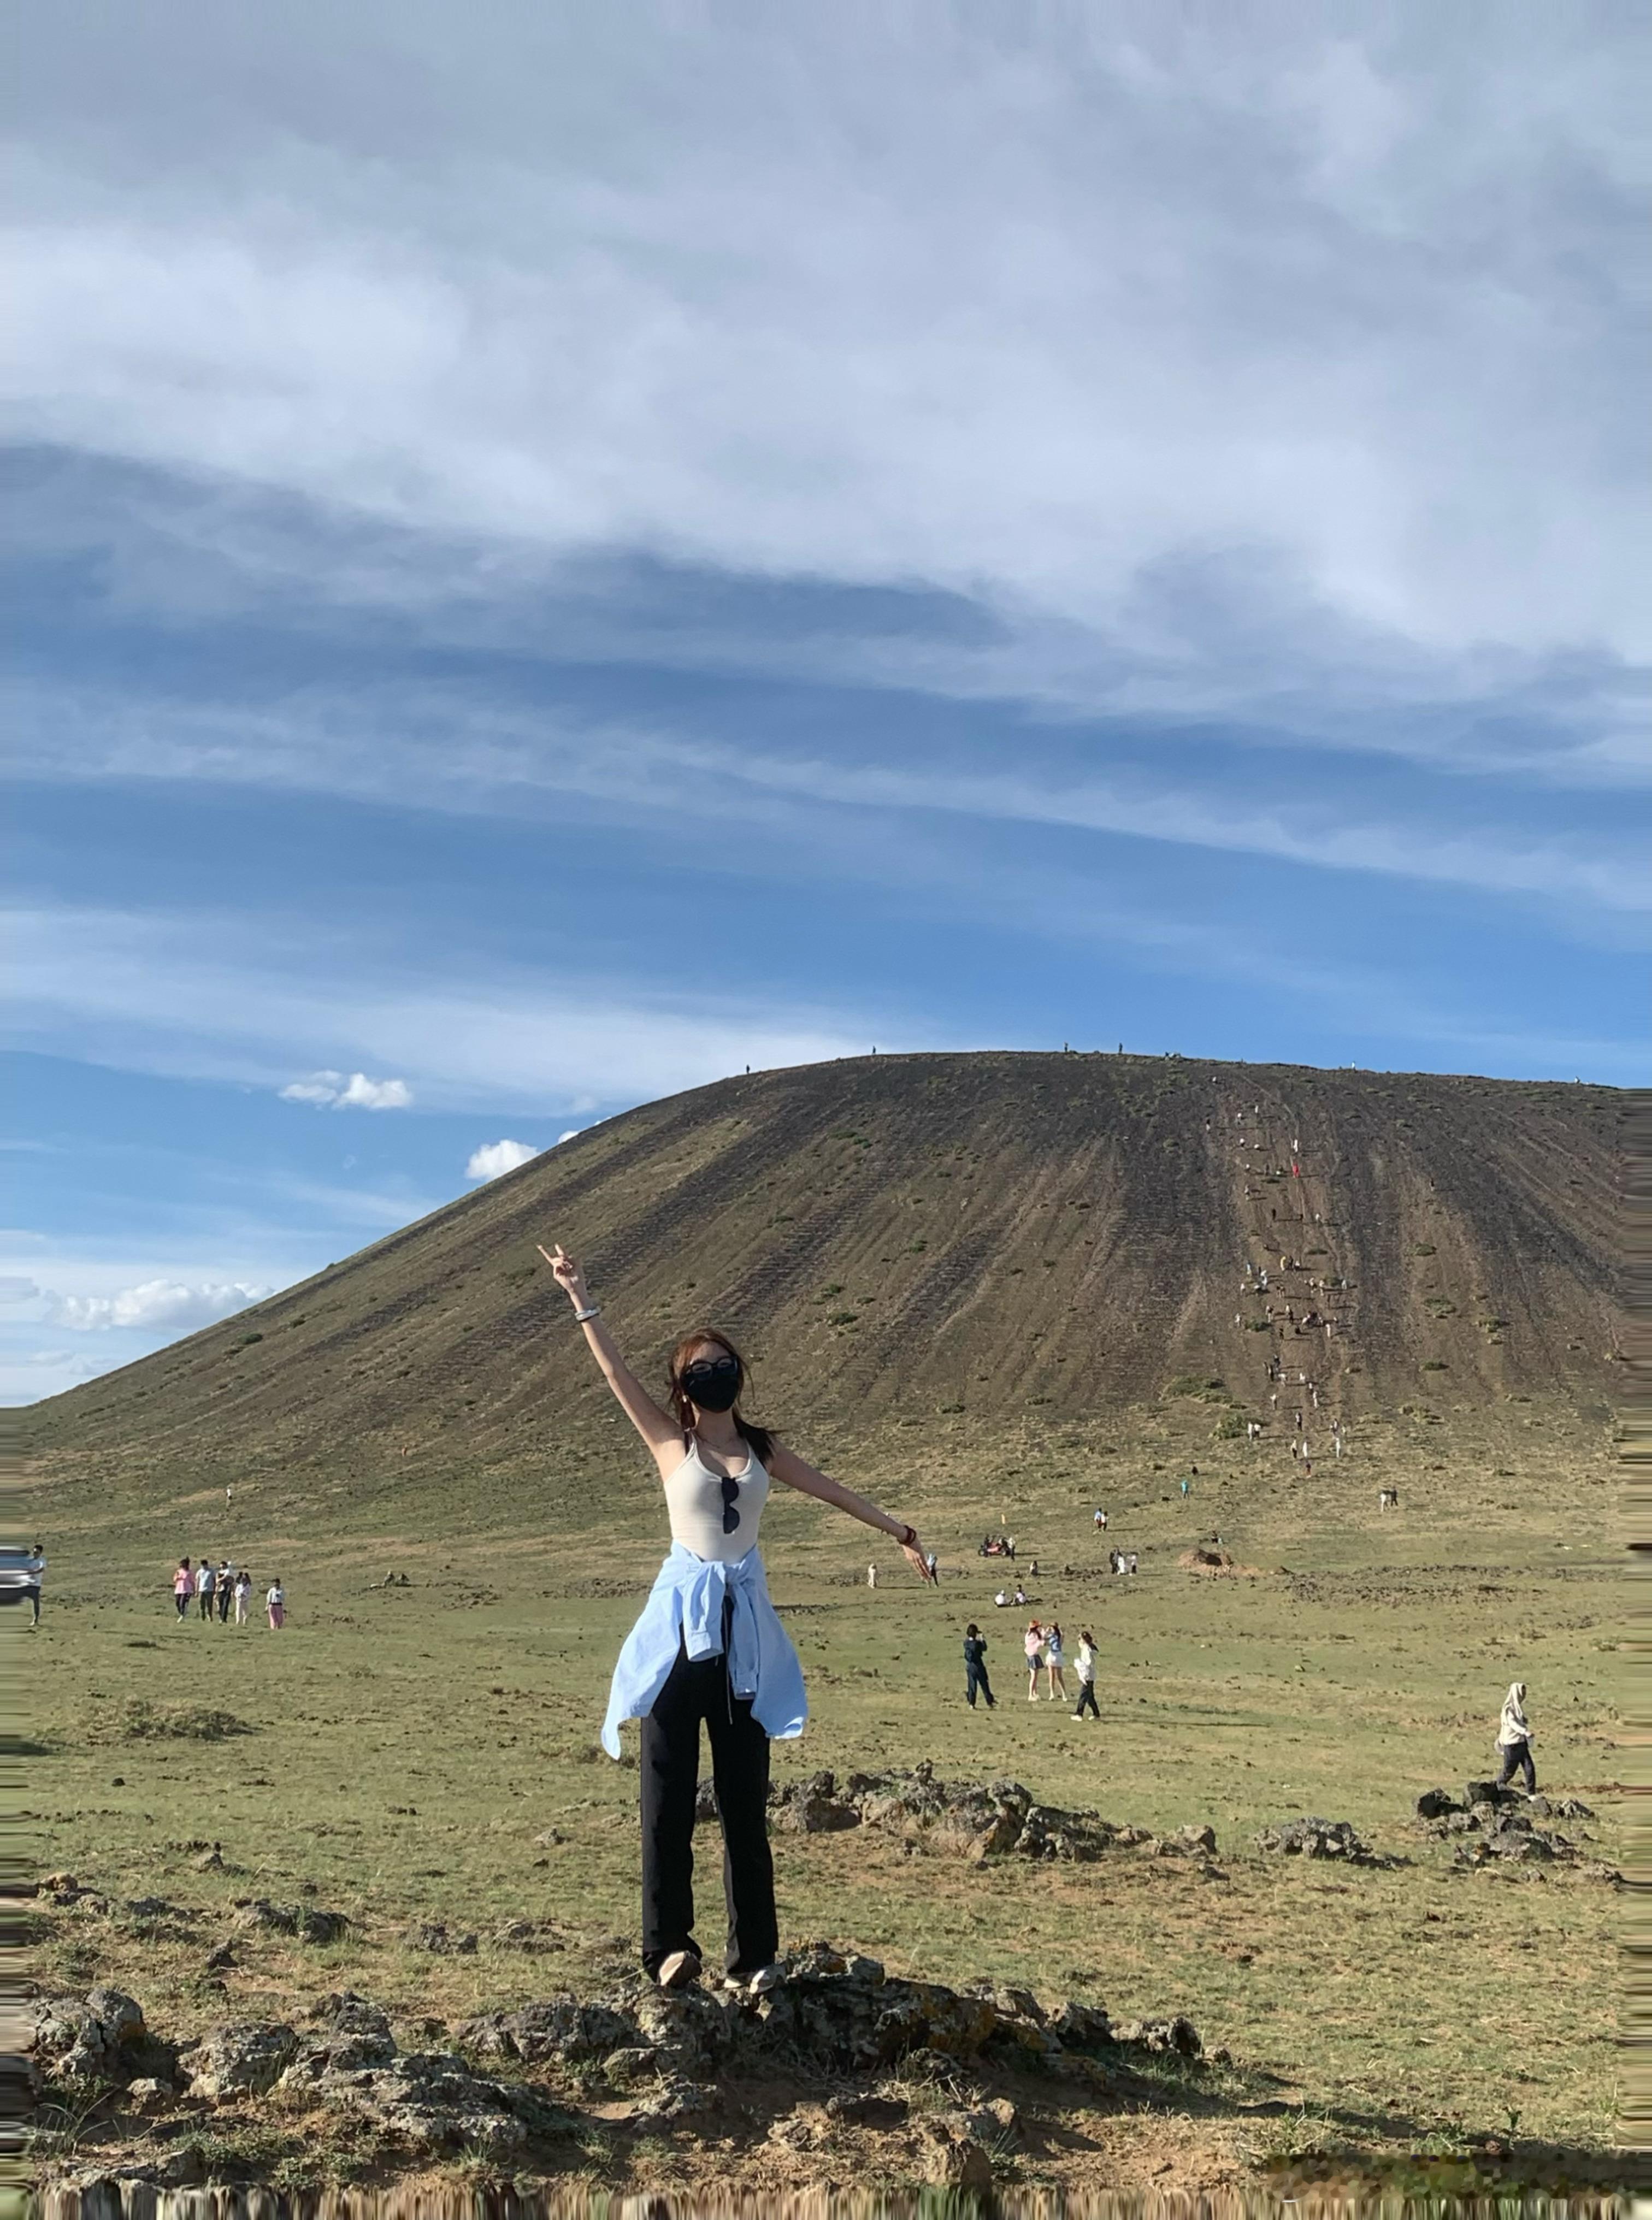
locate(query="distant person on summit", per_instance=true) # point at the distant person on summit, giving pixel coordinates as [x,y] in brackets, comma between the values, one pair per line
[708,1645]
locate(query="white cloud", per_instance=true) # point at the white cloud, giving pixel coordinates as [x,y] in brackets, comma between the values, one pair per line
[156,1305]
[1032,315]
[493,1159]
[333,1090]
[15,1289]
[572,1134]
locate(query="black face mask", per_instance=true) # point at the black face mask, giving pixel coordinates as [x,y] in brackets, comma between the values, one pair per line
[712,1384]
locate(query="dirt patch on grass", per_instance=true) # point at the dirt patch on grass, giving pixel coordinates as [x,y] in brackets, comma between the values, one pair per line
[137,1719]
[1212,1561]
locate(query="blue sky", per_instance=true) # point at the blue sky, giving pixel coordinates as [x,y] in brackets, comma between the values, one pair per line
[559,557]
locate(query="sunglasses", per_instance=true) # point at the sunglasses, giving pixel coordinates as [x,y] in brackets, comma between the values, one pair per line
[731,1503]
[710,1371]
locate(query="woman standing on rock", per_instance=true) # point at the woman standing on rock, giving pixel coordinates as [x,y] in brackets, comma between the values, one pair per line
[708,1645]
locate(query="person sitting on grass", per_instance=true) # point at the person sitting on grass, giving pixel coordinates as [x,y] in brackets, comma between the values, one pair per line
[708,1646]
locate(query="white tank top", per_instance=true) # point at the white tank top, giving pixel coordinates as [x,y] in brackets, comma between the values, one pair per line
[694,1497]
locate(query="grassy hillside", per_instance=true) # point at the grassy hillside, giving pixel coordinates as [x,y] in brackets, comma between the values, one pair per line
[970,1241]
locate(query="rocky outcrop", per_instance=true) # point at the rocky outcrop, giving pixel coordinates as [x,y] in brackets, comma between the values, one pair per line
[962,1819]
[835,2010]
[1490,1825]
[653,2060]
[1314,1837]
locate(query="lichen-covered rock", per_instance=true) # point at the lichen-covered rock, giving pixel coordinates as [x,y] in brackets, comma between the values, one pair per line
[303,1921]
[1314,1837]
[99,2037]
[691,2030]
[1178,2035]
[560,2029]
[431,2101]
[1081,2027]
[814,1807]
[241,2060]
[347,2034]
[953,2159]
[440,1940]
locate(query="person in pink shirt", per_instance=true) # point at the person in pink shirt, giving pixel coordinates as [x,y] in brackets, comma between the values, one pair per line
[182,1588]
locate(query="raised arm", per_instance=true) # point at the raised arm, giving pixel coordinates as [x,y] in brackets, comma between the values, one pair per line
[786,1465]
[656,1428]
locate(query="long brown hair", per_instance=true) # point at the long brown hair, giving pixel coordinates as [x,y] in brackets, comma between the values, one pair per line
[759,1440]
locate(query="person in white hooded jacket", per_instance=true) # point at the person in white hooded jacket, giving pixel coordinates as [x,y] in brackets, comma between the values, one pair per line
[1514,1739]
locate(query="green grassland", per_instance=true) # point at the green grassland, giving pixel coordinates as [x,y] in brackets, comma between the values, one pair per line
[427,1752]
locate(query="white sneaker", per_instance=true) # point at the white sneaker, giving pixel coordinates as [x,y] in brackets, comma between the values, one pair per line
[676,1971]
[765,1980]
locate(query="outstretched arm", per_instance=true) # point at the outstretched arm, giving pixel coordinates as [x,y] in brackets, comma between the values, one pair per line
[658,1430]
[786,1465]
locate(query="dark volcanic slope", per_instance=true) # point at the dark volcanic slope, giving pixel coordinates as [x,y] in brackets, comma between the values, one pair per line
[994,1232]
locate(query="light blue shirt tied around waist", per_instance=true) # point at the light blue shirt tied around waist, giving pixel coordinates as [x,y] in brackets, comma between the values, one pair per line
[685,1608]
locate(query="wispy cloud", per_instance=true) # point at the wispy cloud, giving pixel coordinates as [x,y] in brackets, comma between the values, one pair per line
[466,753]
[136,992]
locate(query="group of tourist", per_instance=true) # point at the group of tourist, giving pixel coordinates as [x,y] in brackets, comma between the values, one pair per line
[224,1591]
[1045,1649]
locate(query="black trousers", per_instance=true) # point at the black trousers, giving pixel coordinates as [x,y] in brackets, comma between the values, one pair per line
[223,1605]
[1517,1758]
[1086,1700]
[671,1777]
[976,1677]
